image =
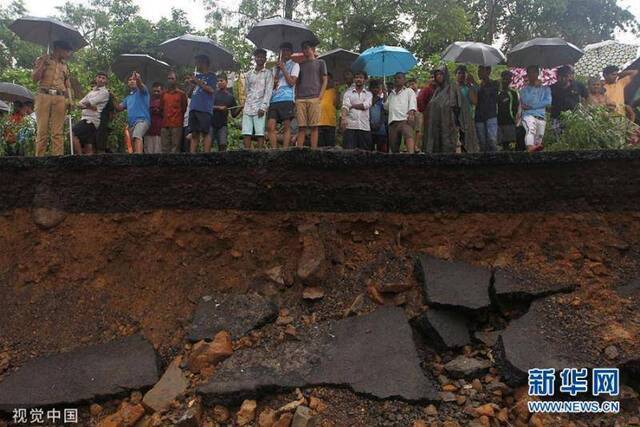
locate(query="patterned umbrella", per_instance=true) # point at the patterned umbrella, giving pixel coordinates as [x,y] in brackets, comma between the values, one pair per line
[599,55]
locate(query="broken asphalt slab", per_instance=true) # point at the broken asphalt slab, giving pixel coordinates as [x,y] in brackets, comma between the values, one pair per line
[237,314]
[454,284]
[81,375]
[372,354]
[510,287]
[543,338]
[444,329]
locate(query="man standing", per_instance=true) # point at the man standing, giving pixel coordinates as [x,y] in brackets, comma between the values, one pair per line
[84,132]
[534,99]
[173,104]
[401,105]
[486,117]
[258,87]
[355,115]
[310,88]
[282,107]
[137,106]
[508,105]
[201,105]
[152,140]
[328,105]
[566,95]
[615,83]
[423,99]
[378,118]
[223,101]
[52,76]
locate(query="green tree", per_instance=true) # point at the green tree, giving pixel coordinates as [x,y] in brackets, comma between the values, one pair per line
[13,51]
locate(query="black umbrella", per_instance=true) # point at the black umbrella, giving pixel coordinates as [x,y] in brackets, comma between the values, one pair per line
[183,50]
[338,61]
[45,31]
[270,33]
[150,69]
[12,92]
[543,52]
[473,53]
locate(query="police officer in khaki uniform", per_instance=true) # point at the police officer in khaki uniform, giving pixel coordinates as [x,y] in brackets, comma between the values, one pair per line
[52,75]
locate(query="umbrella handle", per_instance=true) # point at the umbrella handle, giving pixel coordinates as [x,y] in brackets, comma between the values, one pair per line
[70,135]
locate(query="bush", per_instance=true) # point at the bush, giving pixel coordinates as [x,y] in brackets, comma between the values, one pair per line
[592,128]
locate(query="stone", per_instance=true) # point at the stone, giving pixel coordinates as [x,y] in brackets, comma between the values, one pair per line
[172,384]
[431,410]
[447,396]
[95,409]
[284,420]
[486,409]
[84,374]
[509,287]
[237,314]
[311,264]
[444,329]
[419,423]
[356,306]
[220,414]
[317,405]
[454,284]
[540,338]
[47,218]
[467,367]
[247,412]
[275,274]
[190,417]
[488,338]
[611,352]
[206,354]
[130,413]
[267,418]
[372,354]
[303,417]
[312,293]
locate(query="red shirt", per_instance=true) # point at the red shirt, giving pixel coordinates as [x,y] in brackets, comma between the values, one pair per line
[173,104]
[425,96]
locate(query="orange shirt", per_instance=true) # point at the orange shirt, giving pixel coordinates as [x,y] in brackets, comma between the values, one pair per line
[328,107]
[173,104]
[615,93]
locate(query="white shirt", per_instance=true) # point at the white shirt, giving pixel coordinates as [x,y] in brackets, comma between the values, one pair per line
[97,97]
[398,104]
[357,119]
[258,86]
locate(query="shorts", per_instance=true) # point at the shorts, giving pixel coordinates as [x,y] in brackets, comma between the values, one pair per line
[85,132]
[283,110]
[253,125]
[139,129]
[219,135]
[534,127]
[399,130]
[308,112]
[199,121]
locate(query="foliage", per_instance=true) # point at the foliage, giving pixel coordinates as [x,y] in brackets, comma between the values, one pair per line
[13,51]
[592,128]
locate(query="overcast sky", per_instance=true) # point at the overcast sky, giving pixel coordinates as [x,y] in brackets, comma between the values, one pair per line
[155,9]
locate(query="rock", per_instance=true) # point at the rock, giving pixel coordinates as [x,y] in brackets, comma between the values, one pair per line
[285,420]
[267,418]
[303,417]
[317,405]
[419,423]
[84,374]
[311,264]
[509,287]
[467,367]
[372,354]
[235,313]
[130,413]
[489,338]
[95,409]
[454,284]
[247,412]
[431,410]
[220,414]
[275,274]
[539,338]
[447,396]
[375,295]
[190,417]
[292,406]
[47,218]
[312,293]
[206,354]
[486,410]
[172,384]
[444,329]
[611,352]
[356,306]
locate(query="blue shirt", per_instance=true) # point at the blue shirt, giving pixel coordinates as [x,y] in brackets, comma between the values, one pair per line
[377,118]
[284,91]
[137,106]
[201,100]
[537,99]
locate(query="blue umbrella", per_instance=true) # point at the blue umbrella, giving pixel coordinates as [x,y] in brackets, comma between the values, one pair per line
[382,61]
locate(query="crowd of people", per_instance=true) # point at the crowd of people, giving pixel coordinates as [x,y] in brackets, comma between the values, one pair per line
[298,104]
